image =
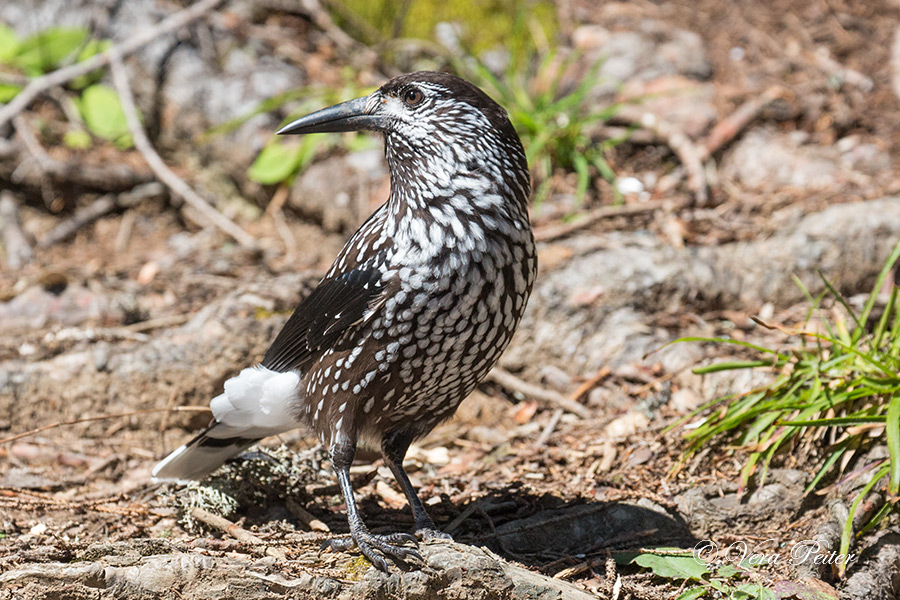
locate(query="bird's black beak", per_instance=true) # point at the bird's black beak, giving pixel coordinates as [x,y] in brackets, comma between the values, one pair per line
[352,115]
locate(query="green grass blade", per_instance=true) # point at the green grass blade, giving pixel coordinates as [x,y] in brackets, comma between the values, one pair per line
[856,352]
[879,282]
[892,428]
[731,366]
[584,176]
[881,514]
[829,462]
[848,526]
[733,342]
[834,421]
[881,328]
[839,297]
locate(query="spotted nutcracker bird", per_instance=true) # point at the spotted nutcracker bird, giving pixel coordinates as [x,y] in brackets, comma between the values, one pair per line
[416,308]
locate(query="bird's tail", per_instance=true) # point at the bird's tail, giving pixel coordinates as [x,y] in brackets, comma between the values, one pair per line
[203,454]
[256,404]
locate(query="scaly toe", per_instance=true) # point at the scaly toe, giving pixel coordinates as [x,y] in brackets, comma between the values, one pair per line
[387,545]
[427,534]
[399,538]
[341,544]
[376,547]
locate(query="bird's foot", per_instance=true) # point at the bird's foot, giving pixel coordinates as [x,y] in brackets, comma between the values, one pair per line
[426,534]
[376,547]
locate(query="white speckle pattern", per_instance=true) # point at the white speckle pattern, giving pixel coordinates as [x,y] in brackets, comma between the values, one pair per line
[457,259]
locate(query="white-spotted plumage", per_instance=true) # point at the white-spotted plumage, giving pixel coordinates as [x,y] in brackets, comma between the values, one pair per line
[420,302]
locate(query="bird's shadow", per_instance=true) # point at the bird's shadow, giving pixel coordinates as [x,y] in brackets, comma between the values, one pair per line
[542,530]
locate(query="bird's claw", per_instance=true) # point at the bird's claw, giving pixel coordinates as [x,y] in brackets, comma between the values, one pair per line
[376,547]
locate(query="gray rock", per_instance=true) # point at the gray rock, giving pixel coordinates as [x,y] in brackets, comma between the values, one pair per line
[641,50]
[36,307]
[766,160]
[640,275]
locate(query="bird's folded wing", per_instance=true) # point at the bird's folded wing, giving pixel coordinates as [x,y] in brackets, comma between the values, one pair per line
[339,303]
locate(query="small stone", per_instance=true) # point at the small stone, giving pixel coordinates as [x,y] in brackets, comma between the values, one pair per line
[629,185]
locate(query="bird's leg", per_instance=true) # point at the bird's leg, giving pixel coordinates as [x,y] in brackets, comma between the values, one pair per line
[393,447]
[374,547]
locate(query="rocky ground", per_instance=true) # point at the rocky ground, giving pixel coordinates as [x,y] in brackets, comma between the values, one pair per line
[762,153]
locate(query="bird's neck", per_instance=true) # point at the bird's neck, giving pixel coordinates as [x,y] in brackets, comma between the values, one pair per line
[427,186]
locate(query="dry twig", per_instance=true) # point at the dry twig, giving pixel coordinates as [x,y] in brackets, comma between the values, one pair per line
[101,206]
[233,529]
[41,84]
[15,242]
[591,383]
[548,430]
[509,381]
[552,232]
[107,177]
[728,128]
[131,413]
[305,516]
[175,183]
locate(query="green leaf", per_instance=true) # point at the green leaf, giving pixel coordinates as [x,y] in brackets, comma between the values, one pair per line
[8,92]
[9,43]
[279,161]
[276,163]
[754,590]
[673,567]
[692,594]
[91,48]
[102,112]
[45,50]
[78,139]
[727,571]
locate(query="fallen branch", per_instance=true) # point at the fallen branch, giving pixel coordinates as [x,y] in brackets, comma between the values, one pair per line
[552,232]
[728,128]
[101,206]
[232,529]
[548,430]
[591,383]
[512,383]
[32,145]
[15,242]
[41,84]
[132,413]
[305,516]
[175,183]
[108,177]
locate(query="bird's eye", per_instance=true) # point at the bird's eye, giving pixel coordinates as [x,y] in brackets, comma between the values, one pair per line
[413,97]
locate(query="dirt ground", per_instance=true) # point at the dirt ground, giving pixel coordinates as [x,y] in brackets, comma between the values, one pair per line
[143,311]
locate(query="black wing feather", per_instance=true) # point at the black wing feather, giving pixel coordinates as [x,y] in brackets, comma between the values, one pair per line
[338,303]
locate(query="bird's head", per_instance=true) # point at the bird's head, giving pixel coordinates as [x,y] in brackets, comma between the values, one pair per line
[435,125]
